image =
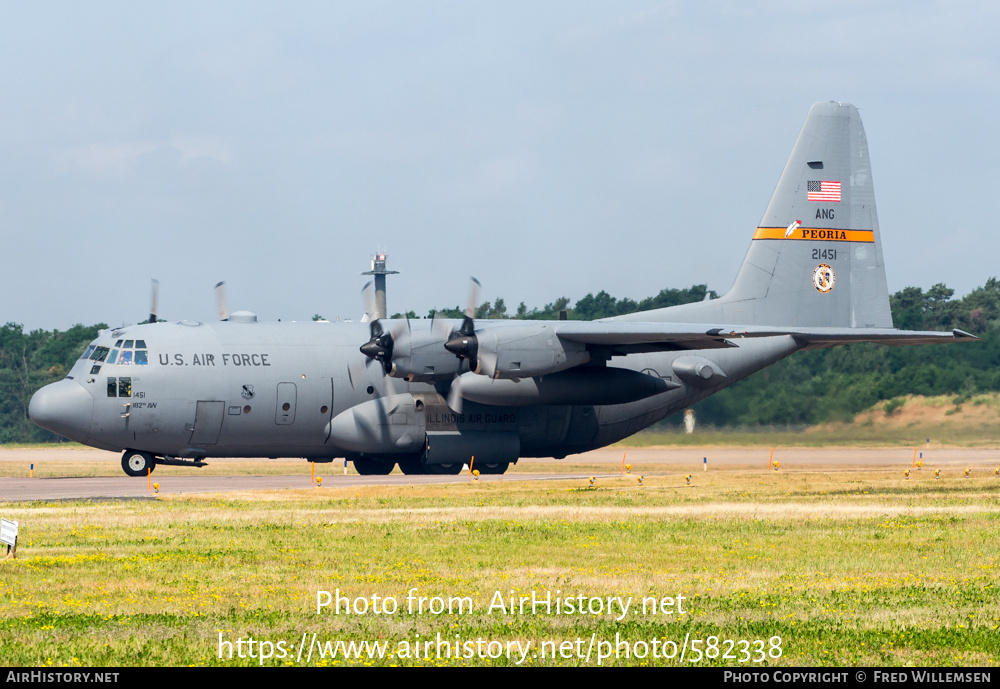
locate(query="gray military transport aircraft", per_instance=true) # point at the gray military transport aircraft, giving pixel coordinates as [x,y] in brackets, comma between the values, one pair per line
[429,395]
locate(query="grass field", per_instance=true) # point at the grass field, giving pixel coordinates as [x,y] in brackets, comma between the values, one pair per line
[845,566]
[948,420]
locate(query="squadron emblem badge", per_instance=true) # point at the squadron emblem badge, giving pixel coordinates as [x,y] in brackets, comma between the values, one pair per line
[824,277]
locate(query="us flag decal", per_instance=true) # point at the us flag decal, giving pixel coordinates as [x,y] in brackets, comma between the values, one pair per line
[823,191]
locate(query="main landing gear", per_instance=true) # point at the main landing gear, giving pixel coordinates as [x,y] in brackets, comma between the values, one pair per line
[413,466]
[373,466]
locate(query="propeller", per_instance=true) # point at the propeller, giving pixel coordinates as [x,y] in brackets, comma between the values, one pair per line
[379,347]
[220,301]
[463,343]
[154,300]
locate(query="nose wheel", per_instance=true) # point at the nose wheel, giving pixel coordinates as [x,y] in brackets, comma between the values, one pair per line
[137,463]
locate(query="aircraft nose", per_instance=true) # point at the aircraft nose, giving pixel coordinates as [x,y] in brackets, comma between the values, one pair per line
[64,408]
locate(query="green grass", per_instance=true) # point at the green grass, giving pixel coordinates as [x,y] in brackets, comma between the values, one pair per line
[845,567]
[841,435]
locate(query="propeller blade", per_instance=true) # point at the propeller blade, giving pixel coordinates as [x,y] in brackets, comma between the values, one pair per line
[357,372]
[440,326]
[487,364]
[220,301]
[154,300]
[368,298]
[365,426]
[474,287]
[455,396]
[391,396]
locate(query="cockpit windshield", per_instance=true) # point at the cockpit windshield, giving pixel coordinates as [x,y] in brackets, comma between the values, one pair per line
[124,353]
[129,353]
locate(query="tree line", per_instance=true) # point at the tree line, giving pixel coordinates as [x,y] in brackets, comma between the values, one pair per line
[806,388]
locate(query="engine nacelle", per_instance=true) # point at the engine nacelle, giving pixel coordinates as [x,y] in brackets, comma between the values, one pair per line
[524,351]
[423,358]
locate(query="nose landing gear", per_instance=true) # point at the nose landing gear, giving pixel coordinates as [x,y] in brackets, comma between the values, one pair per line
[137,463]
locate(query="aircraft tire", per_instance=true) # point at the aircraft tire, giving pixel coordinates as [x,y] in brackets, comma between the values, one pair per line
[412,466]
[494,468]
[445,469]
[374,467]
[137,463]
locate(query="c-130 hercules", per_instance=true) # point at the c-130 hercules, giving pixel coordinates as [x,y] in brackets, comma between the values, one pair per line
[429,395]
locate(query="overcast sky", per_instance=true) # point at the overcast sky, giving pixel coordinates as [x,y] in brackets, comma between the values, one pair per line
[549,148]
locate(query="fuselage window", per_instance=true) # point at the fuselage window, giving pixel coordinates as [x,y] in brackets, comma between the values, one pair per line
[124,387]
[95,369]
[140,357]
[112,387]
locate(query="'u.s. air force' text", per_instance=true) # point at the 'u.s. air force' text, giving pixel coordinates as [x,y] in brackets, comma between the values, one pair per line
[198,359]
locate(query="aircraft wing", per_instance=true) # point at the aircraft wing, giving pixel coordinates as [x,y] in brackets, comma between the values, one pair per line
[627,337]
[631,338]
[832,336]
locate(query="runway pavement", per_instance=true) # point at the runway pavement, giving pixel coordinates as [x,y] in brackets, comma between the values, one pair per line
[15,485]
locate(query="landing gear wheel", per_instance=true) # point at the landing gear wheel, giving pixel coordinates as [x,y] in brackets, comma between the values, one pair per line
[373,467]
[444,469]
[494,468]
[137,463]
[412,466]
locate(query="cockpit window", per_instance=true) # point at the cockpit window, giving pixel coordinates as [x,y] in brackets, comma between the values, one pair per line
[119,387]
[90,350]
[122,354]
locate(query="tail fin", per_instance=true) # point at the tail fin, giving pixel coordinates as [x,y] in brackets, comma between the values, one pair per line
[816,257]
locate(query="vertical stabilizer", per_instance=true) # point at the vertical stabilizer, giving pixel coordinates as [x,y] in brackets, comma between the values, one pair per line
[816,257]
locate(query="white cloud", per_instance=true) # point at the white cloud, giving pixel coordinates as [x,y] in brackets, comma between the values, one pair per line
[211,148]
[119,159]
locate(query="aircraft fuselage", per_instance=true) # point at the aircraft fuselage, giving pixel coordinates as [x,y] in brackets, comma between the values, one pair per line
[275,389]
